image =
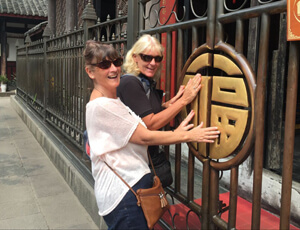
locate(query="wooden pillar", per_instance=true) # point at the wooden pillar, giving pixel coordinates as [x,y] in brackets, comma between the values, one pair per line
[3,47]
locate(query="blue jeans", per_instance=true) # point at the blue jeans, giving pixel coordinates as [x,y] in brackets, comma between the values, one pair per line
[127,215]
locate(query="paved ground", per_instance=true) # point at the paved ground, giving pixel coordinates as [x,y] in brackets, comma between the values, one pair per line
[33,194]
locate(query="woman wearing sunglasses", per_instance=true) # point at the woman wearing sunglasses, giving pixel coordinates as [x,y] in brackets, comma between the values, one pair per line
[119,138]
[138,91]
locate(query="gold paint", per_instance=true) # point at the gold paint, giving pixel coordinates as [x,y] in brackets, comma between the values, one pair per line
[230,90]
[225,64]
[232,124]
[199,63]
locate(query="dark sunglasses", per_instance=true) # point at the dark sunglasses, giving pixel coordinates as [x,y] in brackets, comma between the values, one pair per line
[105,64]
[149,58]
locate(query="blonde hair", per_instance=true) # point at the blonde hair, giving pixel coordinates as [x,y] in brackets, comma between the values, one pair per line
[144,43]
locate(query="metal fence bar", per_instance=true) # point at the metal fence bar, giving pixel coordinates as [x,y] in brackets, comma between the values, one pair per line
[205,193]
[132,26]
[260,119]
[214,199]
[190,176]
[289,137]
[234,173]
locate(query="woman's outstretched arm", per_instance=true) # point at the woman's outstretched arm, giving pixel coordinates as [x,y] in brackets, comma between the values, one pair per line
[175,105]
[184,133]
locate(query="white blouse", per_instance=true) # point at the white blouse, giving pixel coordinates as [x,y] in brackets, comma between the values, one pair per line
[110,125]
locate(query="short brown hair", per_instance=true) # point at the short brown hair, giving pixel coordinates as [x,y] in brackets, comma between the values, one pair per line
[96,52]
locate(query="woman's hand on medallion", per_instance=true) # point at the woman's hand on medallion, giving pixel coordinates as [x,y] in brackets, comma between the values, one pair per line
[207,135]
[184,125]
[175,98]
[198,134]
[192,89]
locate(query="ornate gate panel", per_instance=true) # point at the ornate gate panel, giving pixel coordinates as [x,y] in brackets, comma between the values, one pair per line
[226,100]
[229,43]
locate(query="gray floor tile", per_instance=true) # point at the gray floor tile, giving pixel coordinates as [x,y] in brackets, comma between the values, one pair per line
[65,211]
[11,167]
[10,210]
[38,166]
[15,189]
[35,221]
[49,184]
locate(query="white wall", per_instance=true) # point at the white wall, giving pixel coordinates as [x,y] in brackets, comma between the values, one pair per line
[12,48]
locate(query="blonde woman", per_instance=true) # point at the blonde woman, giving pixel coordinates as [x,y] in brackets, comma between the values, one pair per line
[138,91]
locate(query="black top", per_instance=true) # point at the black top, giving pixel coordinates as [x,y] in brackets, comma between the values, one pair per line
[132,92]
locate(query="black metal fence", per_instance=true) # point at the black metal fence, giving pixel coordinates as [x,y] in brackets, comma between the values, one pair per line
[52,79]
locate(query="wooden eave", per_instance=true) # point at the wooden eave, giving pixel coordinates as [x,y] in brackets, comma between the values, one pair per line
[23,16]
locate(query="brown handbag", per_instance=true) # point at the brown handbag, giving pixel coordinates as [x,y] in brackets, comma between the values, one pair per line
[153,200]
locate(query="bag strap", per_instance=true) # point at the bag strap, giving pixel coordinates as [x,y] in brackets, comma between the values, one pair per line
[151,163]
[121,179]
[137,197]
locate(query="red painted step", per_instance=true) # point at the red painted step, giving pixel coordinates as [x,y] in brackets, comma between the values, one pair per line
[243,221]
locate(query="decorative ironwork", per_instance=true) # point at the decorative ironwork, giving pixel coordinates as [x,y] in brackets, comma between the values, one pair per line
[171,13]
[187,218]
[156,9]
[111,31]
[194,12]
[122,7]
[266,2]
[232,6]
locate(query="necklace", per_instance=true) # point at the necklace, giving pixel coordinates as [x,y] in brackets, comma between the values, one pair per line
[113,95]
[102,94]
